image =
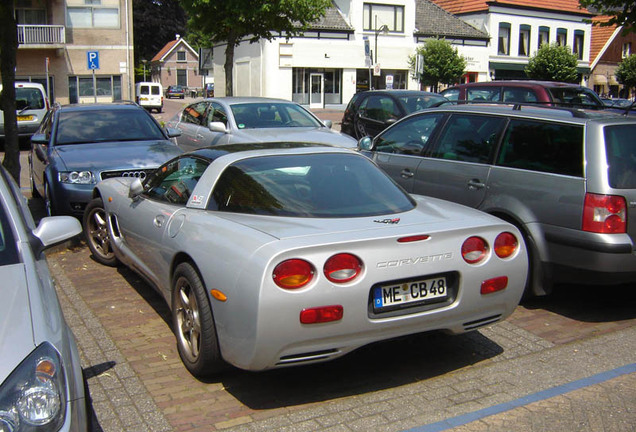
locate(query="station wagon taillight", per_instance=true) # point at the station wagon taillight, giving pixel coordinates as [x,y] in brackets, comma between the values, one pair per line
[474,250]
[342,267]
[506,245]
[293,274]
[605,214]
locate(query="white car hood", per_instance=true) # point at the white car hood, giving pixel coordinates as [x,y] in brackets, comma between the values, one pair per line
[16,329]
[321,135]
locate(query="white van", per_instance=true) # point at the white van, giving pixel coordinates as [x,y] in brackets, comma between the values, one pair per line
[149,95]
[31,106]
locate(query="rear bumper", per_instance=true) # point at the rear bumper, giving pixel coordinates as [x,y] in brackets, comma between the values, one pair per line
[588,258]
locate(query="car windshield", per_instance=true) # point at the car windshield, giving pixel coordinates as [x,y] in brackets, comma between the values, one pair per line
[621,155]
[100,125]
[28,98]
[318,185]
[419,102]
[272,115]
[575,96]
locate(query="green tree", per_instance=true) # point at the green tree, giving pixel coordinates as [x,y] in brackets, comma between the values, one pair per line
[626,73]
[236,21]
[621,12]
[156,22]
[553,63]
[8,54]
[440,63]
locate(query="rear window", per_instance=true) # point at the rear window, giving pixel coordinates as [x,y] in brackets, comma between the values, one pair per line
[320,185]
[92,126]
[28,98]
[545,147]
[574,96]
[419,102]
[620,147]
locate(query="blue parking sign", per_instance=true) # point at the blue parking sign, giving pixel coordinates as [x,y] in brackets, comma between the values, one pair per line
[92,57]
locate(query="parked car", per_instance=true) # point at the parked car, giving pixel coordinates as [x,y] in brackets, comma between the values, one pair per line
[251,119]
[370,112]
[78,145]
[565,178]
[175,91]
[31,104]
[281,254]
[41,381]
[149,95]
[536,92]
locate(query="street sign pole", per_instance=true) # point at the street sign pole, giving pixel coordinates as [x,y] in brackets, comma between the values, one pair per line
[94,87]
[92,59]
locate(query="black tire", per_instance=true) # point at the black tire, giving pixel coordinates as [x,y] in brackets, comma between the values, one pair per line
[96,233]
[49,205]
[193,323]
[358,129]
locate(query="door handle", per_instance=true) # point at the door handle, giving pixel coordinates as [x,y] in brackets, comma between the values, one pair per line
[475,184]
[406,173]
[159,220]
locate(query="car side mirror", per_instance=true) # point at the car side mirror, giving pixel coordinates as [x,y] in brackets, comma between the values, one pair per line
[328,123]
[217,127]
[136,188]
[39,138]
[53,230]
[172,132]
[365,143]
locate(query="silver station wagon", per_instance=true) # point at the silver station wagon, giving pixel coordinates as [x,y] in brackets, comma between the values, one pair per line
[565,177]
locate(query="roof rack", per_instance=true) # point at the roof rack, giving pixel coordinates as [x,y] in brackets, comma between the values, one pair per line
[576,111]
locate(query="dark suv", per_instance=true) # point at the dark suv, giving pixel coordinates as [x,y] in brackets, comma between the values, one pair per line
[566,178]
[539,92]
[370,112]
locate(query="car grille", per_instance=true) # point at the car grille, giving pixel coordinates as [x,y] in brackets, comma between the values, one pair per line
[140,173]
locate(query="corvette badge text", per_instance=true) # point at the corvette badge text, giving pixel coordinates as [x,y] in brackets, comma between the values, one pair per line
[416,260]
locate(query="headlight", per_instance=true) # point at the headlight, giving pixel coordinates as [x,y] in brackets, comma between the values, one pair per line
[33,397]
[76,177]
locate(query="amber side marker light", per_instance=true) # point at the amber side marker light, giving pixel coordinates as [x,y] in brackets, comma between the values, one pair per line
[493,285]
[218,295]
[321,314]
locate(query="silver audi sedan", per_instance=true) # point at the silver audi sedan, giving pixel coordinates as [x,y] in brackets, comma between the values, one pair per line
[274,254]
[230,120]
[41,382]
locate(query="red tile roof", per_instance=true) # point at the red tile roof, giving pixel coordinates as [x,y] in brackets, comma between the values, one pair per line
[600,36]
[167,47]
[465,6]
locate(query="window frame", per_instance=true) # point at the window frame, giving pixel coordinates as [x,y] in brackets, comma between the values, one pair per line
[503,39]
[369,24]
[525,35]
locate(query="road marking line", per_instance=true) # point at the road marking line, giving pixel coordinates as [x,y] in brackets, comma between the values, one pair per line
[526,400]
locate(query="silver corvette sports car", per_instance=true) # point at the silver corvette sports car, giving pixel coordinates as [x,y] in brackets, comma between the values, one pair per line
[274,255]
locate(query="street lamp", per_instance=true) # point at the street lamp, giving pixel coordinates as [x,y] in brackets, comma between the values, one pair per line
[144,63]
[384,30]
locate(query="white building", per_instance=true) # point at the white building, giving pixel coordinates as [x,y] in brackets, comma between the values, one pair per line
[329,63]
[518,27]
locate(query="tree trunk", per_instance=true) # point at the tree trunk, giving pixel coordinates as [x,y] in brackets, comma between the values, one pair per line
[8,52]
[229,64]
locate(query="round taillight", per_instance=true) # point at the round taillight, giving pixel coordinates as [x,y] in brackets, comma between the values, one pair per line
[474,250]
[342,268]
[293,274]
[506,245]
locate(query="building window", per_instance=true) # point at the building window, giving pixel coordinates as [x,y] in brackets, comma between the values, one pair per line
[82,87]
[544,35]
[627,49]
[92,13]
[377,15]
[26,12]
[577,49]
[504,39]
[181,56]
[524,40]
[182,77]
[562,37]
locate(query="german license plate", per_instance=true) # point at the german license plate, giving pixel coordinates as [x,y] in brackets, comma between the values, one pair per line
[25,118]
[409,292]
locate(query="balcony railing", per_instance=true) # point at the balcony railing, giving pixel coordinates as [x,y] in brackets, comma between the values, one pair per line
[41,34]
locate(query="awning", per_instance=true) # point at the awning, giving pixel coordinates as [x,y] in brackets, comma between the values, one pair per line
[612,80]
[599,79]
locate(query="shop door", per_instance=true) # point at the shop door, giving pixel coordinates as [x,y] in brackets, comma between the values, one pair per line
[317,93]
